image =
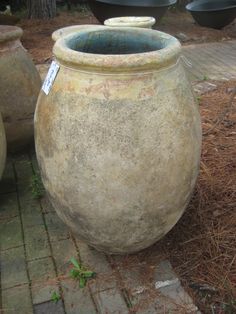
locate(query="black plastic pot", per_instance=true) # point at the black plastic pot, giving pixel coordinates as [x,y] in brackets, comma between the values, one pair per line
[213,13]
[105,9]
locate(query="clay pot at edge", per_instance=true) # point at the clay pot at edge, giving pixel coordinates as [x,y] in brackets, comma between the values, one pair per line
[19,87]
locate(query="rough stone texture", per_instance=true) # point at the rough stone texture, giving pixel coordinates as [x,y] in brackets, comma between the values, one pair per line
[24,175]
[97,262]
[9,206]
[62,260]
[19,88]
[49,308]
[77,300]
[56,228]
[36,242]
[144,297]
[141,295]
[8,182]
[3,147]
[11,234]
[119,151]
[17,300]
[110,301]
[13,268]
[43,278]
[175,298]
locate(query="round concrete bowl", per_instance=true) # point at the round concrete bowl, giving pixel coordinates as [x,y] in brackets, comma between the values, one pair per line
[131,21]
[105,9]
[213,14]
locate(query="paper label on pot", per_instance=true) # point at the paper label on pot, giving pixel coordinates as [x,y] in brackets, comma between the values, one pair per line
[52,73]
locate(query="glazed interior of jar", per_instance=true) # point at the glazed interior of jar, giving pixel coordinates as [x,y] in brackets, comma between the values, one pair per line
[115,42]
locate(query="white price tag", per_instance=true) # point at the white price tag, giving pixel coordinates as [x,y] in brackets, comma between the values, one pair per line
[52,73]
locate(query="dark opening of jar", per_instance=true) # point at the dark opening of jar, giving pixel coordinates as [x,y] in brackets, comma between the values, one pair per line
[115,42]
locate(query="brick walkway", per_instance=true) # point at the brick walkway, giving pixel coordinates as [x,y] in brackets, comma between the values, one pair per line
[35,251]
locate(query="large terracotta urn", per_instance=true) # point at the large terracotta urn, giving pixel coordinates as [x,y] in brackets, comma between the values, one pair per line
[2,147]
[19,87]
[118,136]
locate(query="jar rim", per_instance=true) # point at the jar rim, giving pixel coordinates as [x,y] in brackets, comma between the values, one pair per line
[66,55]
[9,32]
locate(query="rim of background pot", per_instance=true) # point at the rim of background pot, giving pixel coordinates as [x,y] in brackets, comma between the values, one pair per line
[131,21]
[167,56]
[9,33]
[140,3]
[210,6]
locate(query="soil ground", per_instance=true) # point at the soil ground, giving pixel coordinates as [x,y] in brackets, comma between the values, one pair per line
[201,247]
[37,33]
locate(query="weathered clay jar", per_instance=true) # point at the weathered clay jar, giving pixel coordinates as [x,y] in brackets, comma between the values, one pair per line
[2,147]
[19,87]
[131,21]
[118,137]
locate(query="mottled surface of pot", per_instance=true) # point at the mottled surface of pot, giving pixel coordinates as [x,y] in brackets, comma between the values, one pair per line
[131,21]
[3,147]
[19,87]
[118,138]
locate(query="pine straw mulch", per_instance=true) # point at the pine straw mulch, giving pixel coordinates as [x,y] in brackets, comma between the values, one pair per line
[202,245]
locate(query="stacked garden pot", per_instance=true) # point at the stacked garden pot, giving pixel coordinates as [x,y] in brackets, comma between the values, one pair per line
[118,136]
[2,147]
[19,87]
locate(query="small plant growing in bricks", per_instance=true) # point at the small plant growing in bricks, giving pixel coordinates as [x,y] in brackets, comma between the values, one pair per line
[80,273]
[37,187]
[55,297]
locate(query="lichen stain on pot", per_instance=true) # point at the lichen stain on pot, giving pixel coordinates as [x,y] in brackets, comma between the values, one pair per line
[19,88]
[124,143]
